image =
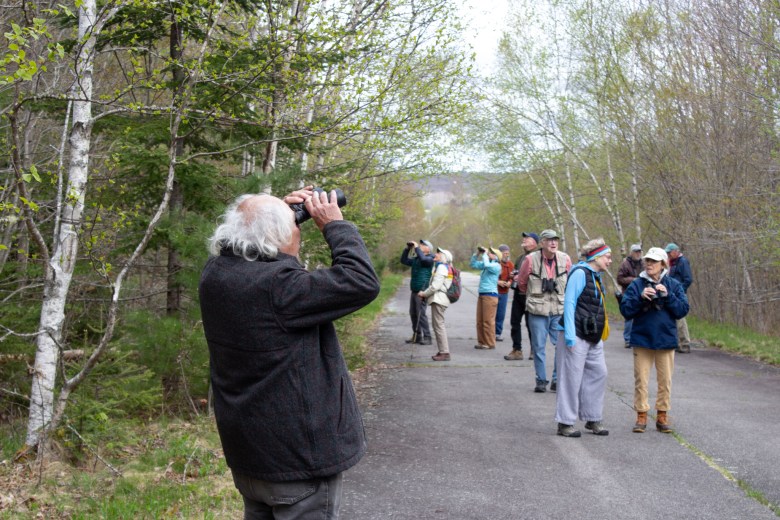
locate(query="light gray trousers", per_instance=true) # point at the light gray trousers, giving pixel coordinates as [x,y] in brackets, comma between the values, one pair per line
[582,381]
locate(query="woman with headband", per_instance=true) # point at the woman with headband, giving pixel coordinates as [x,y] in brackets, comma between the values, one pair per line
[582,369]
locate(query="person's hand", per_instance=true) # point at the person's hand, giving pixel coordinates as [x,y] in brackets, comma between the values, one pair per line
[411,244]
[421,294]
[322,210]
[662,290]
[648,293]
[298,196]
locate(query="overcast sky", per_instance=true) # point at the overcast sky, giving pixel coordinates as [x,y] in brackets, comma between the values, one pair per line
[484,23]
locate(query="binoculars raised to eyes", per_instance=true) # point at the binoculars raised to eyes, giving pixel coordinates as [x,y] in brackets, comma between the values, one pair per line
[302,214]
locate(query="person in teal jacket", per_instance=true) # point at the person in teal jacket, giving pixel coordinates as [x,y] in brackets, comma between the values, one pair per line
[422,264]
[487,303]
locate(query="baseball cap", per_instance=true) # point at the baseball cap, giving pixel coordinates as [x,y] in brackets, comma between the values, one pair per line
[657,254]
[549,233]
[671,246]
[636,247]
[427,243]
[447,254]
[532,235]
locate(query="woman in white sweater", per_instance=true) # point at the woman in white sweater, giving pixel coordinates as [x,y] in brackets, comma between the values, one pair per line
[436,297]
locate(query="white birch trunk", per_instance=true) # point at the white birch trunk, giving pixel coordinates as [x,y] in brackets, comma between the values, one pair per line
[64,255]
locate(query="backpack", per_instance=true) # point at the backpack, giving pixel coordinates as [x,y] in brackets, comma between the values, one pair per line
[453,291]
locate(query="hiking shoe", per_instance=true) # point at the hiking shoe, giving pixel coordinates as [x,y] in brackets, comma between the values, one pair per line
[567,430]
[662,422]
[641,422]
[596,427]
[413,339]
[426,341]
[683,349]
[441,356]
[515,355]
[481,347]
[541,387]
[553,386]
[627,344]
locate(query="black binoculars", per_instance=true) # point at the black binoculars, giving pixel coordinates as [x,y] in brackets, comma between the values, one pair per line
[302,214]
[548,285]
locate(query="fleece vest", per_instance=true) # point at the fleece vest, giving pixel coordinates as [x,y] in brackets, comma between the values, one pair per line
[589,306]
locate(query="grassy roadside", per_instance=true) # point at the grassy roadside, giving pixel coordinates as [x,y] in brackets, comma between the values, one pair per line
[727,337]
[167,468]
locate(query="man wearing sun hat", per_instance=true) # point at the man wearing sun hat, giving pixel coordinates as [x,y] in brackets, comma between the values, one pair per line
[680,270]
[630,269]
[543,277]
[486,260]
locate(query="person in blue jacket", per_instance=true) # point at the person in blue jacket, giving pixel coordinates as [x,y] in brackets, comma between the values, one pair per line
[582,369]
[655,301]
[487,303]
[680,270]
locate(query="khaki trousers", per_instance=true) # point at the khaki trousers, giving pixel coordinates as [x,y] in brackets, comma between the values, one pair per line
[683,337]
[437,321]
[486,320]
[644,358]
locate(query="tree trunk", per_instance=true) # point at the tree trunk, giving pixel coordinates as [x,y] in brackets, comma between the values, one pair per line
[65,251]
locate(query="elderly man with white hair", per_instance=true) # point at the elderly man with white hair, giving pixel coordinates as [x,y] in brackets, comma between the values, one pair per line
[285,408]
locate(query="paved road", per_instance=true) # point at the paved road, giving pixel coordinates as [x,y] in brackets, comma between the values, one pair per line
[468,439]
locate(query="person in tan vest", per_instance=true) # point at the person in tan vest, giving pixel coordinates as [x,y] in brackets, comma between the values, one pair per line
[543,278]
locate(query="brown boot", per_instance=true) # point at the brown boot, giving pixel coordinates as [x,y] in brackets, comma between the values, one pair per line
[515,355]
[662,422]
[641,422]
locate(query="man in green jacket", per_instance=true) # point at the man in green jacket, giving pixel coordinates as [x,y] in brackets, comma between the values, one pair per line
[422,264]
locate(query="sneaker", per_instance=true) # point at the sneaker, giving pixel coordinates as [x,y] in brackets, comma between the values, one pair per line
[499,338]
[683,349]
[567,430]
[426,341]
[515,355]
[627,344]
[596,427]
[441,356]
[541,387]
[553,386]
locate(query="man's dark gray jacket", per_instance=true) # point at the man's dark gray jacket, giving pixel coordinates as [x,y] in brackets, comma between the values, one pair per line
[283,398]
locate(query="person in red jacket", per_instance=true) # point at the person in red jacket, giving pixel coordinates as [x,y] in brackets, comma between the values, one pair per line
[504,283]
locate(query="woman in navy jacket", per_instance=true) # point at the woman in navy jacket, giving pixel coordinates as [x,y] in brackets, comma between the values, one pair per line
[655,301]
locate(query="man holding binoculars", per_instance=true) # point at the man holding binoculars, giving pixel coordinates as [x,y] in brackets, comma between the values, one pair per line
[421,263]
[543,278]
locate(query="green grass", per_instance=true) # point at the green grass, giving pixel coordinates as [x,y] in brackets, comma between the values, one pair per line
[353,329]
[175,469]
[730,338]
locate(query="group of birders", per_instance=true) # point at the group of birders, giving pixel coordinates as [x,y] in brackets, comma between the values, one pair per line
[284,402]
[565,304]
